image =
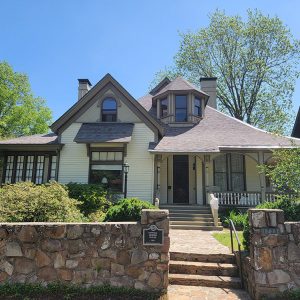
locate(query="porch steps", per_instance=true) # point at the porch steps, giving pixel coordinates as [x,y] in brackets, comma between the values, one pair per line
[212,270]
[191,217]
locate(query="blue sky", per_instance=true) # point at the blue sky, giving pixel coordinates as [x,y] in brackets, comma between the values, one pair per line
[56,42]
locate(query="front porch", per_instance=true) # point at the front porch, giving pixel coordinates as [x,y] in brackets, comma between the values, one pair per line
[231,176]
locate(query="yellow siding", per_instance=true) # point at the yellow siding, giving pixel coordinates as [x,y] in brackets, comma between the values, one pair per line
[141,162]
[74,162]
[252,176]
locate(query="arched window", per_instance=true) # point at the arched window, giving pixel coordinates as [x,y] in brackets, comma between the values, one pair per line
[109,110]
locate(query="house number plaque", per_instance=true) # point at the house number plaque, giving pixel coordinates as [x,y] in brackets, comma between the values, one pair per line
[152,236]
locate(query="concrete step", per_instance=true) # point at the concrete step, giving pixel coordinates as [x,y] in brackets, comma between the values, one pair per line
[200,219]
[203,280]
[196,257]
[193,222]
[197,227]
[188,209]
[203,268]
[189,215]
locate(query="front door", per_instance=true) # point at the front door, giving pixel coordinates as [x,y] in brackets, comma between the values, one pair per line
[180,179]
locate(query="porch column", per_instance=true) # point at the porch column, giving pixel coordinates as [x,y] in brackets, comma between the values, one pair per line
[262,177]
[157,160]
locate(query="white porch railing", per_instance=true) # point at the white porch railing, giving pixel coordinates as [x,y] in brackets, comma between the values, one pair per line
[238,198]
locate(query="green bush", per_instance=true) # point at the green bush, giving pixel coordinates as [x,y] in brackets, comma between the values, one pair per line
[92,197]
[127,210]
[290,207]
[237,218]
[27,202]
[246,234]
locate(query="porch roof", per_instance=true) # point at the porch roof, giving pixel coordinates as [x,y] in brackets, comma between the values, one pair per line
[104,132]
[218,132]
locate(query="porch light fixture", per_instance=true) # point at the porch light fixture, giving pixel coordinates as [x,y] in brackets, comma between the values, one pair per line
[125,170]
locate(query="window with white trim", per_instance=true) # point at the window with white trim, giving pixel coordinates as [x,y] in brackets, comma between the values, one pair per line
[107,169]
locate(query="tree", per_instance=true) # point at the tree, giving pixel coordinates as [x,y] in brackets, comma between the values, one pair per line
[20,112]
[284,170]
[256,62]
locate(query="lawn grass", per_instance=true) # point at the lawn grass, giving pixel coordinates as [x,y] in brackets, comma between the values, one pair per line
[224,239]
[57,291]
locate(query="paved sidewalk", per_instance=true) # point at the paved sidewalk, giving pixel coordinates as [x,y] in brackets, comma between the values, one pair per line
[183,292]
[195,241]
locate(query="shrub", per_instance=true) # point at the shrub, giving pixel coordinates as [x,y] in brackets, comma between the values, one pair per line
[237,218]
[127,210]
[290,207]
[27,202]
[92,198]
[246,234]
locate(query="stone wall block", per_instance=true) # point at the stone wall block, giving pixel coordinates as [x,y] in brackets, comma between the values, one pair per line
[154,280]
[24,265]
[295,229]
[56,231]
[258,219]
[138,256]
[28,234]
[74,232]
[3,233]
[263,259]
[42,259]
[278,276]
[47,274]
[51,245]
[13,249]
[271,218]
[293,252]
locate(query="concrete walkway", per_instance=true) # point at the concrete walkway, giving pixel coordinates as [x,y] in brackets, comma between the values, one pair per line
[195,241]
[184,292]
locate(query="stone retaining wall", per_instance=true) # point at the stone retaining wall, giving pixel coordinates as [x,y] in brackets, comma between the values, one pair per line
[88,254]
[274,263]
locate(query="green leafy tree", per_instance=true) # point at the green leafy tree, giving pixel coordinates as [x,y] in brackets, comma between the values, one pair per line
[256,62]
[20,112]
[284,170]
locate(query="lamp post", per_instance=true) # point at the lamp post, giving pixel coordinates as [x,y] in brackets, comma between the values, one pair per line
[125,170]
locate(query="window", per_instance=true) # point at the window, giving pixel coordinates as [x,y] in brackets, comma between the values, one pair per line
[197,107]
[163,108]
[229,172]
[181,108]
[109,110]
[29,168]
[107,169]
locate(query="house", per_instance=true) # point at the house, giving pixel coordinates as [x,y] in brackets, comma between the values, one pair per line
[296,128]
[178,146]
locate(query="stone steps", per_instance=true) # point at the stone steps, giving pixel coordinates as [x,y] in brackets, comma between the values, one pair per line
[191,217]
[196,227]
[203,280]
[196,257]
[211,270]
[203,268]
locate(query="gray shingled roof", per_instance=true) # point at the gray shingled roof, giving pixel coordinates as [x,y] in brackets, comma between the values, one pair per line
[37,139]
[215,132]
[104,132]
[179,84]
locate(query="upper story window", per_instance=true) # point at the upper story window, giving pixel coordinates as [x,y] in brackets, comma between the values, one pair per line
[163,108]
[181,108]
[109,110]
[197,107]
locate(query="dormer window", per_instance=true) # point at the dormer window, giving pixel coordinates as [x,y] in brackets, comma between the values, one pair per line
[197,107]
[109,110]
[181,108]
[163,108]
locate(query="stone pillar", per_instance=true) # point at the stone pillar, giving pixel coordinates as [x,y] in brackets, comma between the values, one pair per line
[274,253]
[160,218]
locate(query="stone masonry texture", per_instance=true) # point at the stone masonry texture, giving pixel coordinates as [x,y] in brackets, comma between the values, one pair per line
[86,253]
[274,262]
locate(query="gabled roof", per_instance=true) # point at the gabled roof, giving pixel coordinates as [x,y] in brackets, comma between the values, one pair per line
[71,114]
[216,132]
[104,132]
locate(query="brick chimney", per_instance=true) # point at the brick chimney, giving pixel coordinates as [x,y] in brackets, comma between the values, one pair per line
[83,87]
[209,86]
